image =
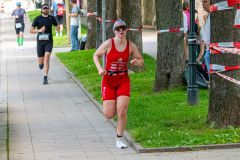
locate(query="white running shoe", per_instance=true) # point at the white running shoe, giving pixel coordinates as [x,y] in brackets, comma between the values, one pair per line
[120,144]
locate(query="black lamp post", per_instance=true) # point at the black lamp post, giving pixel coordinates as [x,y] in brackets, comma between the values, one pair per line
[98,41]
[192,41]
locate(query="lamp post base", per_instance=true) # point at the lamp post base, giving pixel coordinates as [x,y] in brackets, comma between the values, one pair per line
[192,95]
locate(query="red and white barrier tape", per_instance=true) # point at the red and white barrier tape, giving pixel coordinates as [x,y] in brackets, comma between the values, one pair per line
[220,68]
[178,29]
[135,29]
[228,78]
[216,69]
[220,6]
[91,14]
[221,50]
[107,21]
[233,2]
[229,4]
[237,18]
[226,44]
[225,47]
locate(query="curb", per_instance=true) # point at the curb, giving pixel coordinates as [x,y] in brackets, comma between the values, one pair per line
[131,141]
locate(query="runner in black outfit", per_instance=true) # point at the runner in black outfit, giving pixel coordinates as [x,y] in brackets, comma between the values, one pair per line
[43,26]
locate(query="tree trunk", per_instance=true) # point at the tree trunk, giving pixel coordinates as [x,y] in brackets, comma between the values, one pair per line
[67,2]
[131,14]
[170,62]
[111,14]
[91,24]
[224,99]
[119,8]
[148,11]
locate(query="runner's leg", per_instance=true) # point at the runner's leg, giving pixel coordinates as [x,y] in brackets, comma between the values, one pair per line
[109,108]
[21,38]
[40,52]
[46,63]
[122,108]
[17,33]
[21,30]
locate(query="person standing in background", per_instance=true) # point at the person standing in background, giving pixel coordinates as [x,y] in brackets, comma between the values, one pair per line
[205,34]
[186,25]
[74,24]
[20,15]
[58,8]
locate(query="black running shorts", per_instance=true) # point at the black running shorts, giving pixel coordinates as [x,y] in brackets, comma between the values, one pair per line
[59,19]
[44,47]
[20,29]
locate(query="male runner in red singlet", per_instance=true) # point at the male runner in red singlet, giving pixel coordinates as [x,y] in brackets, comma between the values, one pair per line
[116,83]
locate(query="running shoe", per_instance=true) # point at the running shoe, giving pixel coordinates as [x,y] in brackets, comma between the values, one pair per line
[41,66]
[120,144]
[45,80]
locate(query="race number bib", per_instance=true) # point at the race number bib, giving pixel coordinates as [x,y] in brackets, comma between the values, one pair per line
[44,37]
[18,25]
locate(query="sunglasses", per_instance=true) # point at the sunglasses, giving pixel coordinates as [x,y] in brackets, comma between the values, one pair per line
[45,8]
[118,28]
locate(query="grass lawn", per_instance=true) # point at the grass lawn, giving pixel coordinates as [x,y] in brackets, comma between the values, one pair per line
[155,119]
[57,41]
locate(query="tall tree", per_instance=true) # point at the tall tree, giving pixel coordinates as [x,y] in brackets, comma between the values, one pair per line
[91,24]
[131,14]
[148,11]
[170,63]
[111,15]
[224,100]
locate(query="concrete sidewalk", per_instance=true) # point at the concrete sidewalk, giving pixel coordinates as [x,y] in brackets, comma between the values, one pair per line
[58,121]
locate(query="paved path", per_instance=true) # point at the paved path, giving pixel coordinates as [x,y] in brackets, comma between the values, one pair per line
[150,42]
[58,121]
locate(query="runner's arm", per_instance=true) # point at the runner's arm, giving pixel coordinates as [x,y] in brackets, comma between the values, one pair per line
[34,25]
[138,59]
[13,15]
[55,23]
[35,30]
[102,50]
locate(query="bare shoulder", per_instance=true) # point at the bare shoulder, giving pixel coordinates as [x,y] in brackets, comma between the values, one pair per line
[104,48]
[106,45]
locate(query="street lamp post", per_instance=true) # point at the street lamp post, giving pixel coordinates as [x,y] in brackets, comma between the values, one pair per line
[103,26]
[192,41]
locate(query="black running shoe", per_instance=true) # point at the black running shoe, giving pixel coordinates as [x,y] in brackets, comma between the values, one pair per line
[41,66]
[45,80]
